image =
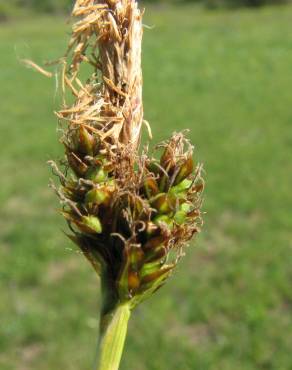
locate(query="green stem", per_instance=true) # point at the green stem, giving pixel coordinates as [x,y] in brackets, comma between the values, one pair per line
[113,332]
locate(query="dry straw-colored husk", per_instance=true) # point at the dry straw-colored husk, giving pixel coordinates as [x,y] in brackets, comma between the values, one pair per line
[107,37]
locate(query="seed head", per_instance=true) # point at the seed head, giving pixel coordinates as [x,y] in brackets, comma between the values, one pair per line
[131,214]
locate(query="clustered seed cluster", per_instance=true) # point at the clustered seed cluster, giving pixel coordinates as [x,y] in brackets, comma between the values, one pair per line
[130,213]
[131,224]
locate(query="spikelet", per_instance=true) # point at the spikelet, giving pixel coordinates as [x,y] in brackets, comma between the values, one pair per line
[130,214]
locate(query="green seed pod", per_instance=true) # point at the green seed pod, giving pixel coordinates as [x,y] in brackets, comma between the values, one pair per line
[90,224]
[182,187]
[180,217]
[123,278]
[159,279]
[185,170]
[98,196]
[156,254]
[163,219]
[182,213]
[136,257]
[96,174]
[79,167]
[77,195]
[163,203]
[149,268]
[164,183]
[167,159]
[156,275]
[86,141]
[153,167]
[185,207]
[101,161]
[133,280]
[136,205]
[151,187]
[153,243]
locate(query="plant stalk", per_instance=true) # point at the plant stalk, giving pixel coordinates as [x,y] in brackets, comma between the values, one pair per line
[113,330]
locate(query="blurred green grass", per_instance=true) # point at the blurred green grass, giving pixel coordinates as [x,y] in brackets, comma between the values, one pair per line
[227,77]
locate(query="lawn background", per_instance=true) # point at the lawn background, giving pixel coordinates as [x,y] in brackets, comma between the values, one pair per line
[225,75]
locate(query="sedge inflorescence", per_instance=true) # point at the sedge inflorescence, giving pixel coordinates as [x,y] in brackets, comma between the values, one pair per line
[130,213]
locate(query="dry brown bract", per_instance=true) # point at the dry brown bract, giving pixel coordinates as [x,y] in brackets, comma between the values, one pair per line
[106,37]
